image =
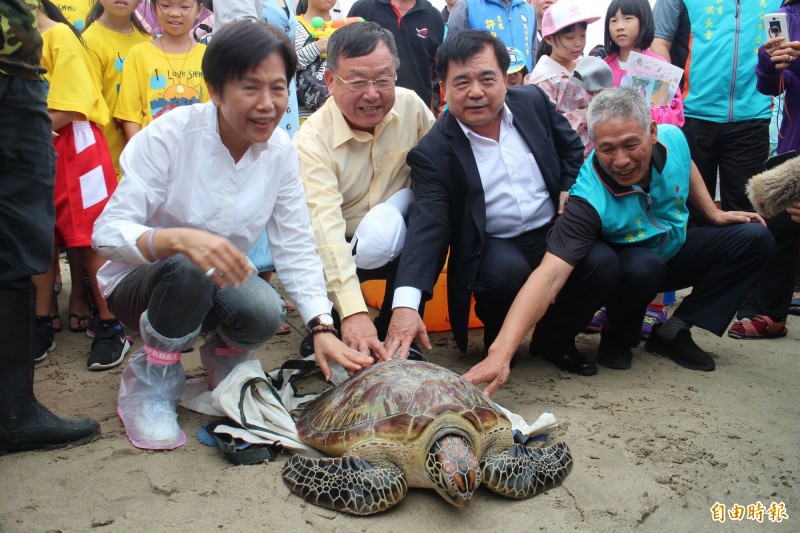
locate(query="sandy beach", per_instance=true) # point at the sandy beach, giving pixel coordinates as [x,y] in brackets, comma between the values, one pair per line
[655,448]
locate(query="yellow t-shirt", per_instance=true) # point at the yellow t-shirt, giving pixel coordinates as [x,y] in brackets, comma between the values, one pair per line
[72,82]
[75,11]
[154,82]
[108,50]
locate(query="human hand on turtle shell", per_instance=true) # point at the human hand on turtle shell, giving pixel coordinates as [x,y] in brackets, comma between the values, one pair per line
[327,347]
[406,325]
[359,333]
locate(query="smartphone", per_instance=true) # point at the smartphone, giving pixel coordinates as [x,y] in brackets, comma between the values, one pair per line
[776,26]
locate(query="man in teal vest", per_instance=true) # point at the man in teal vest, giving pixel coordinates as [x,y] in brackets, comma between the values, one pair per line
[727,119]
[631,196]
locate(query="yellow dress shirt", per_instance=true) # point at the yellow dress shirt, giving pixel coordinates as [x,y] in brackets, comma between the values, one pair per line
[345,173]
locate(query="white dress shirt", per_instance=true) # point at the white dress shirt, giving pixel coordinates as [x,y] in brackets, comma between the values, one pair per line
[517,199]
[177,173]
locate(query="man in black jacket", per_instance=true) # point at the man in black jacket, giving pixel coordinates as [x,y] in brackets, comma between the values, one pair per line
[489,179]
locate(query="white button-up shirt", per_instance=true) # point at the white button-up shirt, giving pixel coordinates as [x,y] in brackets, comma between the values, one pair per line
[516,197]
[177,173]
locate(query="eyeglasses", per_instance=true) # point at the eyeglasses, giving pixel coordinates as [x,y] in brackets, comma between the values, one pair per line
[360,86]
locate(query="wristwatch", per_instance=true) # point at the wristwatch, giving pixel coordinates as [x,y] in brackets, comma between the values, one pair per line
[325,319]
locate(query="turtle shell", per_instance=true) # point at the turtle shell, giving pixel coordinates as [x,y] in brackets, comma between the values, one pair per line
[393,401]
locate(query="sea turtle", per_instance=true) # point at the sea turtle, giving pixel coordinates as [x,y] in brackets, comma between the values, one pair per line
[401,424]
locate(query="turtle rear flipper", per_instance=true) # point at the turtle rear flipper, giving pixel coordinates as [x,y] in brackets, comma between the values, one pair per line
[349,484]
[521,472]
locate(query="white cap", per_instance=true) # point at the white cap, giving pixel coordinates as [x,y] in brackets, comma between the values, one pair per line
[381,234]
[592,73]
[565,13]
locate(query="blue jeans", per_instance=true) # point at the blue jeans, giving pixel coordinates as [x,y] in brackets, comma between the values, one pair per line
[180,299]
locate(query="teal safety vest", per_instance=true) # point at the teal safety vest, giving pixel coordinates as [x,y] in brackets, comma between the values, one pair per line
[514,25]
[655,219]
[723,52]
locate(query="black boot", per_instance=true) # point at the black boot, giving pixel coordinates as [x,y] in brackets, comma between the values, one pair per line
[25,424]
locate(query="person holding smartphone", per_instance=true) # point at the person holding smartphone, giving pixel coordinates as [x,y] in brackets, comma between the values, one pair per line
[727,120]
[763,313]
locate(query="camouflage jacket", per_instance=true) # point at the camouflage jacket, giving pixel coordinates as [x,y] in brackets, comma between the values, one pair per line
[20,41]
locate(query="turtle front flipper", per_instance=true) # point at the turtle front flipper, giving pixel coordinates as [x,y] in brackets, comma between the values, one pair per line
[521,472]
[349,484]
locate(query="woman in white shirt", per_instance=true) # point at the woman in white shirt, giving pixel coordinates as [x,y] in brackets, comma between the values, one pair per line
[199,186]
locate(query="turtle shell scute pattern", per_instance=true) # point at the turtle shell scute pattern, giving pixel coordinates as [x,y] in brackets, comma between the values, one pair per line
[393,400]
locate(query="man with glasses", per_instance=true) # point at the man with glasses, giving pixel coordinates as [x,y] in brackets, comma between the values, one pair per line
[352,154]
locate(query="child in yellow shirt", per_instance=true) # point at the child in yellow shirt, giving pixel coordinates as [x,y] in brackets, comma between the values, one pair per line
[85,176]
[164,73]
[112,29]
[75,11]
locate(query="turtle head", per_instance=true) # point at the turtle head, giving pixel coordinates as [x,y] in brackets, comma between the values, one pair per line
[453,469]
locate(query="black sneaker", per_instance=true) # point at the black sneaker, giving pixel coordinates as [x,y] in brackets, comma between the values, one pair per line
[44,338]
[682,350]
[109,345]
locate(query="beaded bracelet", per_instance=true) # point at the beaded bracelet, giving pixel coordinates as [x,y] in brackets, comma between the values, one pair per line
[151,247]
[324,329]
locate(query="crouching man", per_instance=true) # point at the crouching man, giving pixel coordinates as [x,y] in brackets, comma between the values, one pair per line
[631,196]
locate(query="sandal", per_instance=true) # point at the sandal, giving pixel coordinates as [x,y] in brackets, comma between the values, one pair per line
[237,451]
[55,320]
[285,329]
[81,323]
[289,305]
[759,327]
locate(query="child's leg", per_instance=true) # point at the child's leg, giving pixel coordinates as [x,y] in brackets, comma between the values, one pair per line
[92,263]
[55,318]
[78,299]
[44,291]
[44,336]
[109,345]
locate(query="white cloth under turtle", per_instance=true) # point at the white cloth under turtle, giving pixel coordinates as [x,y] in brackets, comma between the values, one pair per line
[248,397]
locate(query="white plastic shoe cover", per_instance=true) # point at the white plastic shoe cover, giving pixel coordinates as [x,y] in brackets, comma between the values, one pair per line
[148,395]
[219,359]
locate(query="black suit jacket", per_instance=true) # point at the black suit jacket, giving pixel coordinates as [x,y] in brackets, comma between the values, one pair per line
[450,210]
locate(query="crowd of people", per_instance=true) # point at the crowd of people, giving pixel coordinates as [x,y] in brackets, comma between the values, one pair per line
[181,153]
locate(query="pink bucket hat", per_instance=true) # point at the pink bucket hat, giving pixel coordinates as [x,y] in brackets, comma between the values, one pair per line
[565,13]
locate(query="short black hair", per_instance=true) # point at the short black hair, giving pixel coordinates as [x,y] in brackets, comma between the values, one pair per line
[359,39]
[241,46]
[641,10]
[463,45]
